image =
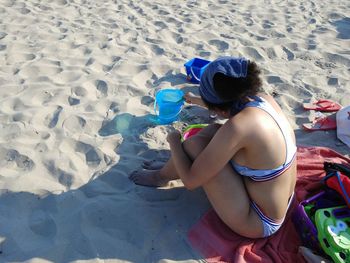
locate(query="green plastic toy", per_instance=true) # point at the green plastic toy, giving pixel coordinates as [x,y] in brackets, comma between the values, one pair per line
[333,227]
[310,211]
[192,130]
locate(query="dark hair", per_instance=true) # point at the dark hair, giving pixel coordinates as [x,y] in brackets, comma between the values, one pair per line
[233,90]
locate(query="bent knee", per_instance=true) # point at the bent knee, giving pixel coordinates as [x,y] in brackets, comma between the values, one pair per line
[210,130]
[194,145]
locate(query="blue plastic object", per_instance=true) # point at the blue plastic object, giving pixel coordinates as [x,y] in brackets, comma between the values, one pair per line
[168,105]
[195,68]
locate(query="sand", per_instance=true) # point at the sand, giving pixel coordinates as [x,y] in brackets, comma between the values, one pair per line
[77,85]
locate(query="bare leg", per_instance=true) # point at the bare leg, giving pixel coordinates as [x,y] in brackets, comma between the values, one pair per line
[162,175]
[227,194]
[158,177]
[226,191]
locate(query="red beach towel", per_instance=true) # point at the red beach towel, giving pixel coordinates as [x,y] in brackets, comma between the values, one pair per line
[217,243]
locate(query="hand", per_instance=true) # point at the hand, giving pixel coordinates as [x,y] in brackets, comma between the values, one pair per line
[191,98]
[174,137]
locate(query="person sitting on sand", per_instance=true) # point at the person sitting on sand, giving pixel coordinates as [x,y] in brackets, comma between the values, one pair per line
[246,166]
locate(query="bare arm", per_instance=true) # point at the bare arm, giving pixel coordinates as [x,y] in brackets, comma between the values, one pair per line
[181,160]
[210,161]
[193,99]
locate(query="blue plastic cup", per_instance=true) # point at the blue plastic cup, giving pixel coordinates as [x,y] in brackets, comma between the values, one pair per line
[195,68]
[168,105]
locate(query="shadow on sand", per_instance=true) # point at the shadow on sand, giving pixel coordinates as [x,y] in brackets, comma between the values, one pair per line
[107,218]
[343,28]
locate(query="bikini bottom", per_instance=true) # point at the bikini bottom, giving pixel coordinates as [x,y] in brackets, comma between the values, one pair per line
[270,225]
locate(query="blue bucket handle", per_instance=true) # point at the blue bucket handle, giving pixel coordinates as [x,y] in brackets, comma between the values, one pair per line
[157,112]
[155,107]
[194,75]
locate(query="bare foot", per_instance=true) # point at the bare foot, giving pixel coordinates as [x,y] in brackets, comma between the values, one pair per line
[154,164]
[148,178]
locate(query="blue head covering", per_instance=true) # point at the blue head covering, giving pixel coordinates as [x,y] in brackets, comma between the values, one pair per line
[229,66]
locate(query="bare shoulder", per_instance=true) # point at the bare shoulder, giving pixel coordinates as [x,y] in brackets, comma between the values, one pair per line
[272,101]
[242,124]
[278,109]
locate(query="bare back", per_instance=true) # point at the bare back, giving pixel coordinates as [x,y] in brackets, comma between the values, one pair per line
[265,148]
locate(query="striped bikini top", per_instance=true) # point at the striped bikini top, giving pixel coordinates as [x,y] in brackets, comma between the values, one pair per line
[265,175]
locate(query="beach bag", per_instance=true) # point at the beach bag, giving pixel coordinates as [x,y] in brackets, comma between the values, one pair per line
[343,125]
[338,178]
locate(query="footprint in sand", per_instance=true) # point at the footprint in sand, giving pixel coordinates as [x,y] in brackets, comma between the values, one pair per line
[152,40]
[22,161]
[178,38]
[73,101]
[92,154]
[64,178]
[228,36]
[248,21]
[253,53]
[335,58]
[52,120]
[90,62]
[163,12]
[289,29]
[102,87]
[220,45]
[333,81]
[174,21]
[312,45]
[147,100]
[274,79]
[3,35]
[157,50]
[267,24]
[79,91]
[108,68]
[290,54]
[24,11]
[204,54]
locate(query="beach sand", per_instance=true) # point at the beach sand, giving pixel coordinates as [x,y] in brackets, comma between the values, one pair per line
[77,85]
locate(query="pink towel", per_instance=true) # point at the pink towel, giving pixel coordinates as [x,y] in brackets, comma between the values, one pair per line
[217,243]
